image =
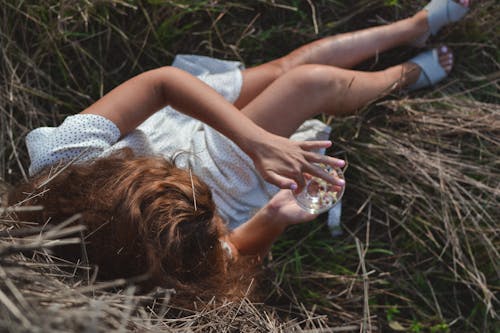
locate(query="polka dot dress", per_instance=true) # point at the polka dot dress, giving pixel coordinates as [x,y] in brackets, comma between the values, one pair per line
[238,190]
[81,137]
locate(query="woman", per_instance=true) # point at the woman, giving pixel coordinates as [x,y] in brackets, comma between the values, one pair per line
[148,182]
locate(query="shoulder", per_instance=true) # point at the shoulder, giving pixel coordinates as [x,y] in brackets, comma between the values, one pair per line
[80,137]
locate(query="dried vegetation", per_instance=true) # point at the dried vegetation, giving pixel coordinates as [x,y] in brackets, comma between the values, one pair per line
[420,249]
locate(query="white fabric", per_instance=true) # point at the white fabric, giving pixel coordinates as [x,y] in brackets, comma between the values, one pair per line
[333,220]
[431,71]
[442,12]
[238,190]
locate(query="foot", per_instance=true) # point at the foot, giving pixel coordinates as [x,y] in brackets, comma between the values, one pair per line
[416,77]
[431,18]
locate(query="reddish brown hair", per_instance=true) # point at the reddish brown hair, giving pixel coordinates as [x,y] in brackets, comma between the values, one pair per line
[141,217]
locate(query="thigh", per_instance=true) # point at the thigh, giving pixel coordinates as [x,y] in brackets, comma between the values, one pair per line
[291,99]
[256,79]
[308,90]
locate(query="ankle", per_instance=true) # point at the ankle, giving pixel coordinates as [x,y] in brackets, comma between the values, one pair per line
[401,76]
[421,22]
[410,74]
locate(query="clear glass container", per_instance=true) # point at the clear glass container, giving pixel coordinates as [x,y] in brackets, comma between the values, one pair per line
[318,196]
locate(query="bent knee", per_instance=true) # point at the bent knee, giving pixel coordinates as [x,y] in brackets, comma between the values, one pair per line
[314,78]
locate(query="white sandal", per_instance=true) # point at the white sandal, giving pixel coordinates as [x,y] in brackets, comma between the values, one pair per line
[441,13]
[431,71]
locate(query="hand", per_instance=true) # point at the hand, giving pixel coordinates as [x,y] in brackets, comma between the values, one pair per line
[258,234]
[284,209]
[283,162]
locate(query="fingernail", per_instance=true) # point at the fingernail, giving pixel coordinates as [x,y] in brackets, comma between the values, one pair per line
[293,187]
[340,163]
[444,49]
[340,182]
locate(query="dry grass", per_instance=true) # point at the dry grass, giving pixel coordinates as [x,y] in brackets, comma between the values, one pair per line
[42,293]
[420,252]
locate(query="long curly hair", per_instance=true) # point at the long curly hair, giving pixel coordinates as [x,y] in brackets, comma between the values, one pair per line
[143,215]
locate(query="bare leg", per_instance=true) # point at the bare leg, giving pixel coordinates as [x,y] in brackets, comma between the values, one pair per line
[308,90]
[344,51]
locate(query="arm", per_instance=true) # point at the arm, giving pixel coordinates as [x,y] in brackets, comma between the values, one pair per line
[279,160]
[256,236]
[132,102]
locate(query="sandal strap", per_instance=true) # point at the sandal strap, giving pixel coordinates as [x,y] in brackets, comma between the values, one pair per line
[431,71]
[442,12]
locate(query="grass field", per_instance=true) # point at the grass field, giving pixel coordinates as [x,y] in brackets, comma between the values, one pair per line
[420,245]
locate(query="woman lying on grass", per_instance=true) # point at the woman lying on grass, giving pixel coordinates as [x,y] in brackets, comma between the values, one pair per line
[184,193]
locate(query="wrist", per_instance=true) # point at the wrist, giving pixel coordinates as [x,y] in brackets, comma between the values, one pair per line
[252,139]
[258,234]
[272,213]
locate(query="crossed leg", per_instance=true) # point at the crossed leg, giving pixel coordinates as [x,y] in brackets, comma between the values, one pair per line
[280,95]
[308,90]
[343,50]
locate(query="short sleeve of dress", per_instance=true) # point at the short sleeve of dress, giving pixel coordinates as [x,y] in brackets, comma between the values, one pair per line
[79,138]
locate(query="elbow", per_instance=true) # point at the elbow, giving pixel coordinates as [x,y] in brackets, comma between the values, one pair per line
[162,79]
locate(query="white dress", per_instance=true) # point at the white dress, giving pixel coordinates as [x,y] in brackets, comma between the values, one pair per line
[238,190]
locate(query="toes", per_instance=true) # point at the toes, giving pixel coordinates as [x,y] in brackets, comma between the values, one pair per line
[464,3]
[445,58]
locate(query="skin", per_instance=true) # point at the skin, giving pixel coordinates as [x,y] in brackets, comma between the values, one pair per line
[280,161]
[268,94]
[311,80]
[256,236]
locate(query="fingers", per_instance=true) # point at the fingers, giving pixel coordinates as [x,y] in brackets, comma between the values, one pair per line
[321,173]
[319,158]
[311,145]
[289,170]
[284,182]
[328,160]
[298,181]
[316,158]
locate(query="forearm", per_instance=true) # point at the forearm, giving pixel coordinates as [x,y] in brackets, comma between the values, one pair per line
[257,235]
[279,160]
[131,103]
[196,99]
